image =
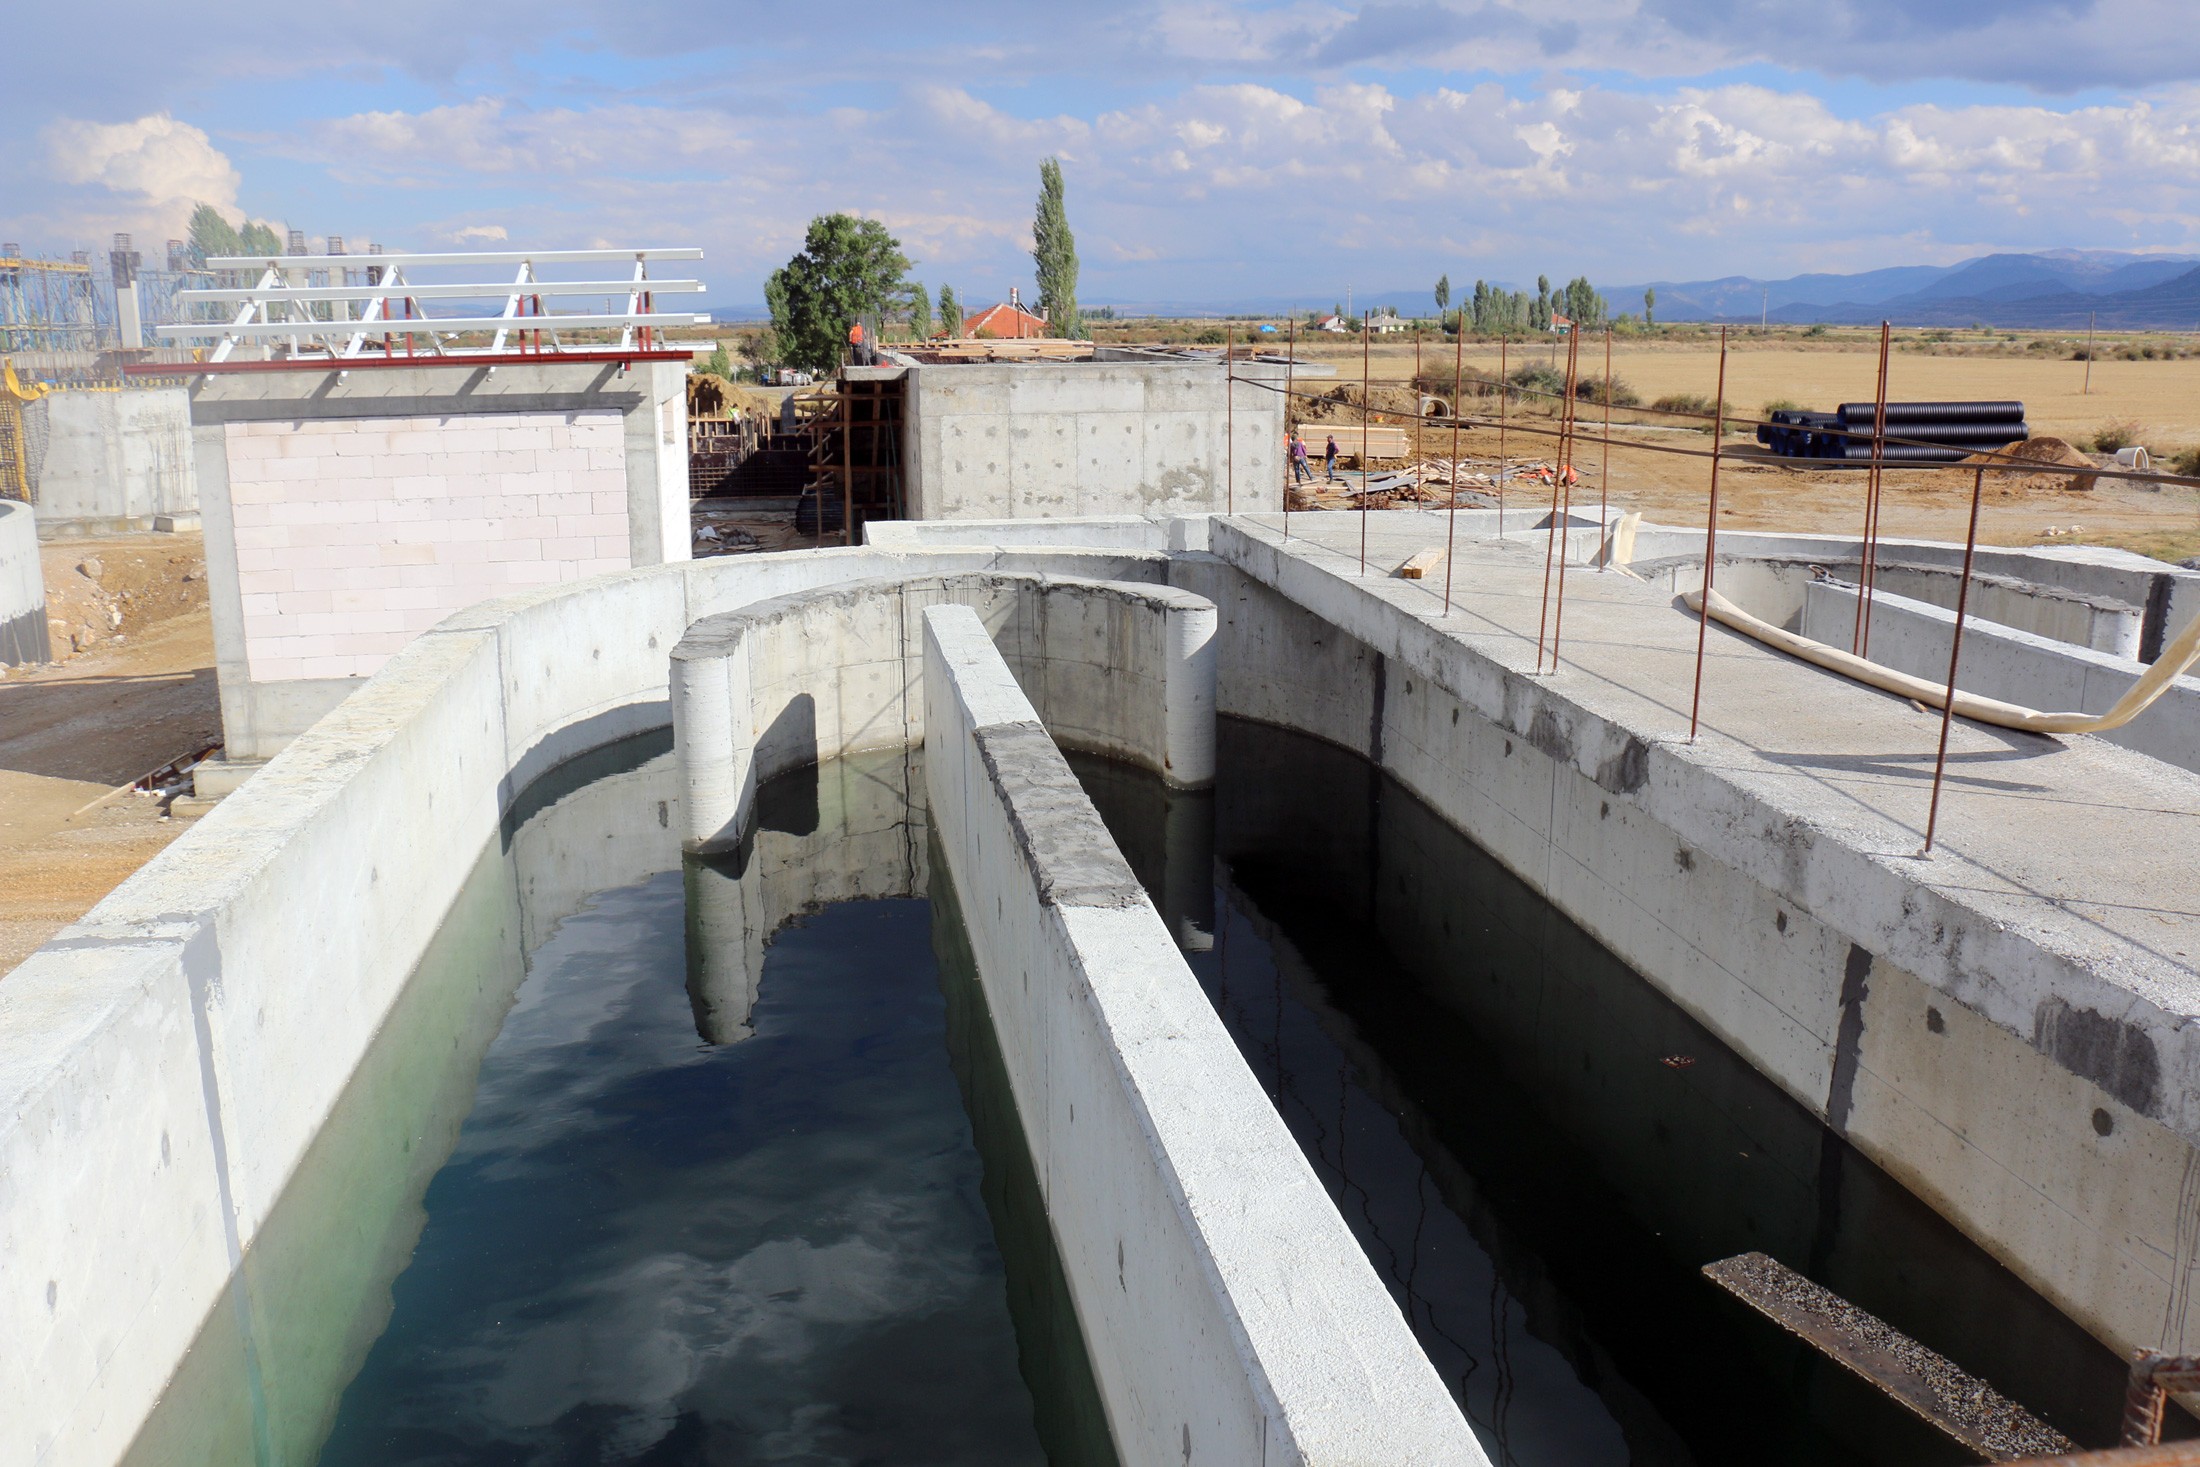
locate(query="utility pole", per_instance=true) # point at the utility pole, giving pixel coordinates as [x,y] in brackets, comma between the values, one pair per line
[1764,310]
[2089,320]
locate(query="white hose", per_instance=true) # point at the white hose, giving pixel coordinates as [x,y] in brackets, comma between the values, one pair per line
[2176,658]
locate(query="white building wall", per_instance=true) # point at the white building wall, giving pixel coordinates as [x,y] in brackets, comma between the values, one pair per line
[354,537]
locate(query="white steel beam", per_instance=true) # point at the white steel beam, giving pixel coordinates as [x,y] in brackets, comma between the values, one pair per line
[437,325]
[484,258]
[389,291]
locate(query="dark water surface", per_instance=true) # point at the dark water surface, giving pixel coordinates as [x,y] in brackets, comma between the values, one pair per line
[1481,1088]
[663,1163]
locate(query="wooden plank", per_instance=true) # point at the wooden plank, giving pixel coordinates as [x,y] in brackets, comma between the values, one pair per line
[1961,1406]
[1421,562]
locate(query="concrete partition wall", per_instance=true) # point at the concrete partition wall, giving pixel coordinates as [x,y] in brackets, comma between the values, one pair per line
[22,587]
[113,461]
[167,1061]
[1116,668]
[1121,435]
[1230,1315]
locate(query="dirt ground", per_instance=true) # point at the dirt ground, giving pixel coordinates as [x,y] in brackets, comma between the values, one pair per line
[140,694]
[2162,397]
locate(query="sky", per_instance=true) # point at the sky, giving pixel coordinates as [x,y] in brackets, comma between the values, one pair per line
[1212,151]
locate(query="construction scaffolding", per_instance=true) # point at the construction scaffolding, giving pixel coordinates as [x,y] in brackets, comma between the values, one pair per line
[50,305]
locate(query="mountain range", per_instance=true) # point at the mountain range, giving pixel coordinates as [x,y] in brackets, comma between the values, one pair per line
[2051,289]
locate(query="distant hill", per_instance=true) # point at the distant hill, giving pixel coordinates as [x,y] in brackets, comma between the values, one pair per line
[2048,290]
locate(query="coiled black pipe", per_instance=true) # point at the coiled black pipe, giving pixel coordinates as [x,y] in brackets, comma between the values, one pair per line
[1855,414]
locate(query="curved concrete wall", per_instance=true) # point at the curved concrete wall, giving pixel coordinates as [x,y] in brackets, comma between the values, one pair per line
[167,1061]
[1118,669]
[22,587]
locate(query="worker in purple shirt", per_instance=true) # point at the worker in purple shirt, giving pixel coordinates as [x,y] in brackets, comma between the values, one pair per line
[1300,473]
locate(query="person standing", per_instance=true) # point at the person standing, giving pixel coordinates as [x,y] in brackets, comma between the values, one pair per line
[1329,459]
[859,344]
[1300,473]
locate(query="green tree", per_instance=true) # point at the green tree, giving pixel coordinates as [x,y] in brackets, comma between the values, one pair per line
[1443,292]
[951,311]
[259,239]
[920,312]
[849,270]
[1539,315]
[1580,301]
[1650,306]
[1054,252]
[212,235]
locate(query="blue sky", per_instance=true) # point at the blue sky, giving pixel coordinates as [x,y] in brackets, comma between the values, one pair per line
[1213,150]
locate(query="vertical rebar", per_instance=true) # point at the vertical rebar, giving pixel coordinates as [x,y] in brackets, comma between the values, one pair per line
[1451,528]
[2090,319]
[1571,446]
[1867,560]
[1710,538]
[1229,419]
[1550,542]
[1504,460]
[1955,651]
[1604,466]
[1290,370]
[1367,403]
[1416,430]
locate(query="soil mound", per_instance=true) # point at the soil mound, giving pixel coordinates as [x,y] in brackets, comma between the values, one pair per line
[2008,478]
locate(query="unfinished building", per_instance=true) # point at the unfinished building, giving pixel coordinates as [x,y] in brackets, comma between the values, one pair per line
[1376,1019]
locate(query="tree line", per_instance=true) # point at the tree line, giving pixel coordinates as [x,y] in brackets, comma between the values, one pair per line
[852,269]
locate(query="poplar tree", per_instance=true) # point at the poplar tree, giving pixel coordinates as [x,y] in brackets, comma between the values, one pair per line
[951,311]
[1443,292]
[1054,252]
[920,311]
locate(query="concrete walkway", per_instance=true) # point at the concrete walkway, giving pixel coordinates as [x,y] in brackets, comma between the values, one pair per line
[2079,846]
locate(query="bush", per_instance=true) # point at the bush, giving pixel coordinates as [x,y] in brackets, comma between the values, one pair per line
[1779,405]
[1591,389]
[2110,437]
[1816,328]
[1691,403]
[1547,380]
[2081,354]
[2185,463]
[1212,336]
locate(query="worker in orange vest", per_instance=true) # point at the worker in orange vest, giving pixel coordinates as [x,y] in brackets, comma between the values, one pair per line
[859,344]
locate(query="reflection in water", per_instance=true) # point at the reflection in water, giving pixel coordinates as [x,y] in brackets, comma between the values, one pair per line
[1478,1085]
[638,1247]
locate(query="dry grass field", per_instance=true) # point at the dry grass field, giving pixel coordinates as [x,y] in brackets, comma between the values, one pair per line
[2161,397]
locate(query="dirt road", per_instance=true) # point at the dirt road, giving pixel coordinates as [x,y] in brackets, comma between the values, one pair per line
[71,733]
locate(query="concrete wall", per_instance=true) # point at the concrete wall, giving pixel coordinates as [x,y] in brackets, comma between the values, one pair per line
[346,510]
[167,1062]
[112,460]
[22,587]
[2034,1085]
[1044,440]
[1230,1315]
[1120,669]
[2016,667]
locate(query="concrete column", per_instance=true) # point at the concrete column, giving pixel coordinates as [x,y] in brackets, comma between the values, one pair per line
[1188,695]
[713,731]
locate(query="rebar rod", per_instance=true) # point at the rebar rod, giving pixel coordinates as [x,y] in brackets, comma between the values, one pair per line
[1955,652]
[1604,466]
[1290,371]
[1229,420]
[1868,558]
[1367,402]
[1567,476]
[1504,460]
[1451,527]
[1710,540]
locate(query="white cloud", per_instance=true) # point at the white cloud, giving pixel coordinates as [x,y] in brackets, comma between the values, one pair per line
[160,167]
[480,234]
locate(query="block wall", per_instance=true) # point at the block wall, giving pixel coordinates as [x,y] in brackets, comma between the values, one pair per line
[353,537]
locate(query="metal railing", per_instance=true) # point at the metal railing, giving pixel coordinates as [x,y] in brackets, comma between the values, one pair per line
[311,305]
